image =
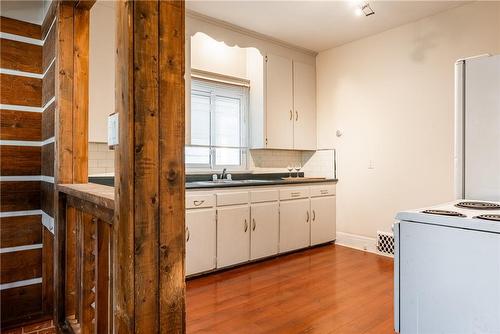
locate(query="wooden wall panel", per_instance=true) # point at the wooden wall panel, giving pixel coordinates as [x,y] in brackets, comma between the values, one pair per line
[24,91]
[47,198]
[26,160]
[19,195]
[48,271]
[48,85]
[16,27]
[48,121]
[27,299]
[20,56]
[20,125]
[20,265]
[20,231]
[49,49]
[50,16]
[20,160]
[48,159]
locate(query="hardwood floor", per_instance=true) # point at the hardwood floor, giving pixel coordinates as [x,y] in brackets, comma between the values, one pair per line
[330,289]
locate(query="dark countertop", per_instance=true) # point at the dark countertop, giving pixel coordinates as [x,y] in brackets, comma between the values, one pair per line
[253,183]
[203,181]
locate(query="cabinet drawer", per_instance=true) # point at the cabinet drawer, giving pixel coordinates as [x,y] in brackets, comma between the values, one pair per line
[294,193]
[200,201]
[323,190]
[264,196]
[232,198]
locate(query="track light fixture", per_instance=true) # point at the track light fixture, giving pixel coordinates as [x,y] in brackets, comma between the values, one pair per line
[365,9]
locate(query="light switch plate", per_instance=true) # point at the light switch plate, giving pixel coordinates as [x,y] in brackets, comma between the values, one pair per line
[113,130]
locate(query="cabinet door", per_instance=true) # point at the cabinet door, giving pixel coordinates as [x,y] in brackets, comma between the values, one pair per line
[322,219]
[304,100]
[200,240]
[279,102]
[233,235]
[294,224]
[265,230]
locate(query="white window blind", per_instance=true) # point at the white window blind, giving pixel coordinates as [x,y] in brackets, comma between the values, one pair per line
[218,125]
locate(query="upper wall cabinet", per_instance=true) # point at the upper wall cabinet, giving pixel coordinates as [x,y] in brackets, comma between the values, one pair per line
[279,102]
[304,104]
[289,120]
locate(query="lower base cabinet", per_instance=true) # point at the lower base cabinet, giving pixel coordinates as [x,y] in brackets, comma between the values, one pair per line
[235,227]
[200,240]
[322,220]
[294,225]
[233,235]
[265,227]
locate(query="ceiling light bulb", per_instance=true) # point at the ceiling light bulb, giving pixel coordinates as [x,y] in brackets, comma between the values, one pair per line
[358,11]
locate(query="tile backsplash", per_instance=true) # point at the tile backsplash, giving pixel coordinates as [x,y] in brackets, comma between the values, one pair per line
[101,159]
[314,163]
[318,163]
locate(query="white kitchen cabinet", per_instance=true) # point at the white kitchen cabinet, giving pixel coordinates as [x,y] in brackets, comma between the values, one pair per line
[227,227]
[290,104]
[304,102]
[233,235]
[264,230]
[322,219]
[294,224]
[279,102]
[200,240]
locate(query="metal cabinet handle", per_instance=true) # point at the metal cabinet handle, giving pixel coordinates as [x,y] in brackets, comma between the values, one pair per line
[323,191]
[246,225]
[198,203]
[296,115]
[187,234]
[254,225]
[307,219]
[291,114]
[295,194]
[314,215]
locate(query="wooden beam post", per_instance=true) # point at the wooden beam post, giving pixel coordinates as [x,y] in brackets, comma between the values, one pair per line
[149,246]
[71,139]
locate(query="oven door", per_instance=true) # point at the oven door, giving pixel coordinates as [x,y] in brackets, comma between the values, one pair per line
[447,280]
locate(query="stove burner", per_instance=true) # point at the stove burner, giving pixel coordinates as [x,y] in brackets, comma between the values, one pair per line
[444,213]
[495,218]
[478,205]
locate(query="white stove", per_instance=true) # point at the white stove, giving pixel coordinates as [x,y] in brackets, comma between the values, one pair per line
[447,269]
[473,215]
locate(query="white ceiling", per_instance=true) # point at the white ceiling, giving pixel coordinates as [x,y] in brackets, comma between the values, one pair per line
[32,11]
[317,25]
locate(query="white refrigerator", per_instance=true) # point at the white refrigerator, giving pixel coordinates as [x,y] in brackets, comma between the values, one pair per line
[477,130]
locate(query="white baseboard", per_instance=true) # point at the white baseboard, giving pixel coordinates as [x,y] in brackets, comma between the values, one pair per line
[357,242]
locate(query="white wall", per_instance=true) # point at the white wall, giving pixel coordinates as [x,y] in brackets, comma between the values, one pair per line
[210,55]
[101,69]
[392,96]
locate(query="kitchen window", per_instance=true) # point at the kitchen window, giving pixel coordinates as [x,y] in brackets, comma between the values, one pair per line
[219,126]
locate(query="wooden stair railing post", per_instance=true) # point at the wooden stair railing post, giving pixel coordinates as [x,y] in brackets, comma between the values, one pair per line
[148,246]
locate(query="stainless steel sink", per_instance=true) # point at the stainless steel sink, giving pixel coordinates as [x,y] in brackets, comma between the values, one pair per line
[211,183]
[253,181]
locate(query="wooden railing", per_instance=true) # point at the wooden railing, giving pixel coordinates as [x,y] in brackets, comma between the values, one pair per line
[83,277]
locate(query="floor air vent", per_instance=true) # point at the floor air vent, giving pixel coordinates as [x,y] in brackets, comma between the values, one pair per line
[385,243]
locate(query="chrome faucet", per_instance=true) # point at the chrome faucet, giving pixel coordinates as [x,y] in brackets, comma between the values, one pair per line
[223,174]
